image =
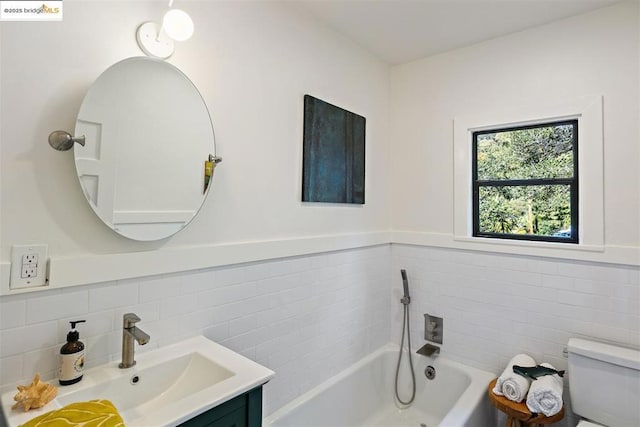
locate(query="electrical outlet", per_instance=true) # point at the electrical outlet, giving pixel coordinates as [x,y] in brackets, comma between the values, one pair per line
[30,259]
[28,266]
[28,272]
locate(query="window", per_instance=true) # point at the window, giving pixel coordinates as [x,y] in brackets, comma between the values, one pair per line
[525,182]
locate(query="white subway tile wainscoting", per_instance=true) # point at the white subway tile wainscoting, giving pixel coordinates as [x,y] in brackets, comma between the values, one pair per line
[309,317]
[306,317]
[496,306]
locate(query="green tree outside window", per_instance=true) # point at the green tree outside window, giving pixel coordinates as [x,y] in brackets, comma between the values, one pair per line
[525,182]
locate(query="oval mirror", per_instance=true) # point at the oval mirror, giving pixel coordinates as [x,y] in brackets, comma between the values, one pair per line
[149,148]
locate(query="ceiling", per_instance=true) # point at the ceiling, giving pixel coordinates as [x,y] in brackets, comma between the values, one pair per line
[399,31]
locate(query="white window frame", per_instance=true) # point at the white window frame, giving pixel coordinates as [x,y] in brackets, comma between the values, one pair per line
[588,112]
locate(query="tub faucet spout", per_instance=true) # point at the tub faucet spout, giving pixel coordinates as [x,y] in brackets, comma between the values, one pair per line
[428,350]
[130,334]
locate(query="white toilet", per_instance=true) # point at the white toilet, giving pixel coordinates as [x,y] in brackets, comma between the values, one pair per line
[604,383]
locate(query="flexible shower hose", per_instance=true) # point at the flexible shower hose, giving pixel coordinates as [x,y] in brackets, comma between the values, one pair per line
[405,326]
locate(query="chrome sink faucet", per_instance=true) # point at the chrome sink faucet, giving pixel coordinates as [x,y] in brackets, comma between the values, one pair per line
[130,333]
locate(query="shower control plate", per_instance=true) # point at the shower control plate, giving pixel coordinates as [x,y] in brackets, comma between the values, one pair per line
[433,328]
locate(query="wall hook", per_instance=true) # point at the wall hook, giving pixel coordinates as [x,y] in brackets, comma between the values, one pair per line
[62,141]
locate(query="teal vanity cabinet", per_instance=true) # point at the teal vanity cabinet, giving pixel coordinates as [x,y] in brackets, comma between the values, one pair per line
[241,411]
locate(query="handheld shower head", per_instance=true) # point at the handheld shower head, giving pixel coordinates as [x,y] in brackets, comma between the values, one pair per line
[405,300]
[405,285]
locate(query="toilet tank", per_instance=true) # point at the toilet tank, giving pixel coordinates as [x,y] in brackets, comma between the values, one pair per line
[604,382]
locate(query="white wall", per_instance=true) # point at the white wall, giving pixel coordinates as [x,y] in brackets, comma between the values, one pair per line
[591,54]
[252,61]
[497,305]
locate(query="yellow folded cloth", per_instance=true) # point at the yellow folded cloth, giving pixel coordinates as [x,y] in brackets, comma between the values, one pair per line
[94,413]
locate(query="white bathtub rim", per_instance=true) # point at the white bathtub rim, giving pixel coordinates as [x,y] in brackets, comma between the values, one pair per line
[457,415]
[305,397]
[471,397]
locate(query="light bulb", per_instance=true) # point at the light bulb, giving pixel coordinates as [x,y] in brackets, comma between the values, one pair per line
[178,25]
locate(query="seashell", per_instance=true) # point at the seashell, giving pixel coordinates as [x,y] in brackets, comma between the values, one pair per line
[35,395]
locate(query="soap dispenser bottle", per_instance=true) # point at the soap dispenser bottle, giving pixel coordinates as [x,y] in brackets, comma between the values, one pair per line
[71,357]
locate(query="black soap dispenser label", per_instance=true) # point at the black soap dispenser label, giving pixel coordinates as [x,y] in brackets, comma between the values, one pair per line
[72,357]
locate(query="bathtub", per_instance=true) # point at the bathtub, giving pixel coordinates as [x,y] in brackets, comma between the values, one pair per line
[363,395]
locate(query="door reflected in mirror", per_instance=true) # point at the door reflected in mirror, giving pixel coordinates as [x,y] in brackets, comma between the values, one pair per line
[146,163]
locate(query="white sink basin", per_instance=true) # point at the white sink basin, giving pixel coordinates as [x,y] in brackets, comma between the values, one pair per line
[168,385]
[155,386]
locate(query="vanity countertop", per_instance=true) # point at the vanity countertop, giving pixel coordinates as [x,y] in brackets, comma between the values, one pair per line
[166,387]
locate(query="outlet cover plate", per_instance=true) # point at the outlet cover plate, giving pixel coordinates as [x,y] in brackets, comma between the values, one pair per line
[28,266]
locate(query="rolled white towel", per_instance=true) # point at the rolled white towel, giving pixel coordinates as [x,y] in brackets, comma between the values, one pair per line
[511,385]
[545,394]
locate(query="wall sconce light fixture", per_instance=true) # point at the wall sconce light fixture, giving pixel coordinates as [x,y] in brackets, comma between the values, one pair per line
[158,42]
